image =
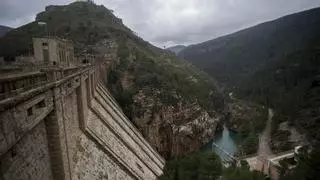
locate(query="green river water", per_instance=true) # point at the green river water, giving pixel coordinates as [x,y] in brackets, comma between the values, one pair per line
[227,140]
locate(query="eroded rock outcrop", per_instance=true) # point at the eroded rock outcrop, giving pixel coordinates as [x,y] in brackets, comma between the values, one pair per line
[174,130]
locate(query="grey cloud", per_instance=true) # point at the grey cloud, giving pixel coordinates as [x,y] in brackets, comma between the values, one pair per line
[170,22]
[193,21]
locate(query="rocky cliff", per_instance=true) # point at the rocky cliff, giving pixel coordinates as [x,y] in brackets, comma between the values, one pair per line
[174,130]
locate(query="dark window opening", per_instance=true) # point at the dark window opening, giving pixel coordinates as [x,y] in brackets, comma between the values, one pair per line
[30,111]
[13,152]
[44,44]
[41,104]
[1,88]
[45,53]
[69,85]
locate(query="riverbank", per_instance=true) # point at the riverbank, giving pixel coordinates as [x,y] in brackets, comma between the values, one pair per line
[227,140]
[243,141]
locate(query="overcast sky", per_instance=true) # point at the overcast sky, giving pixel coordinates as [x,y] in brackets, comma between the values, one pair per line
[171,22]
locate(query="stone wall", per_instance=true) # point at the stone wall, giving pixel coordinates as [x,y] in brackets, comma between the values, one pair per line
[29,158]
[70,127]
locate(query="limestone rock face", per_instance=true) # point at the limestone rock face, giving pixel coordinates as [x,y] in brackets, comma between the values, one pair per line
[173,130]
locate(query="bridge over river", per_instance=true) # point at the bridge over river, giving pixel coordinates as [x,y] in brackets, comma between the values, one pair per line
[264,160]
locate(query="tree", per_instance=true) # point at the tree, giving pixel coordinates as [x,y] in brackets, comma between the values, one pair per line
[198,166]
[242,173]
[244,163]
[308,167]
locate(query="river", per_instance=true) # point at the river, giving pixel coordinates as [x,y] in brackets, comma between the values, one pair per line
[227,140]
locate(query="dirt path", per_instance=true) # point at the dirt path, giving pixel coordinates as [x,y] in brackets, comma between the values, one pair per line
[264,150]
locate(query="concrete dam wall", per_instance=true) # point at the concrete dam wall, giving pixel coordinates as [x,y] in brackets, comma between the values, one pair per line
[64,124]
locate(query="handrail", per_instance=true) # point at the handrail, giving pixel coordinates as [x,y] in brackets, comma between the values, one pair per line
[13,77]
[14,84]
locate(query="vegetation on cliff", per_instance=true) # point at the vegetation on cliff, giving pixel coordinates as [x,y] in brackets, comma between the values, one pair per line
[162,77]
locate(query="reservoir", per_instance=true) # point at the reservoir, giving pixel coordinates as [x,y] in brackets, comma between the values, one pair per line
[227,140]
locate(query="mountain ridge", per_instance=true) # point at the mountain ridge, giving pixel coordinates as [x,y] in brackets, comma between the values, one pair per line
[253,26]
[275,64]
[260,36]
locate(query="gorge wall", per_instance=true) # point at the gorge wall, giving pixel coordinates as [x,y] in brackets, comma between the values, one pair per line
[64,124]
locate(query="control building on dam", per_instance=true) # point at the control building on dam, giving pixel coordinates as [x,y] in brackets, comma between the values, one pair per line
[61,123]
